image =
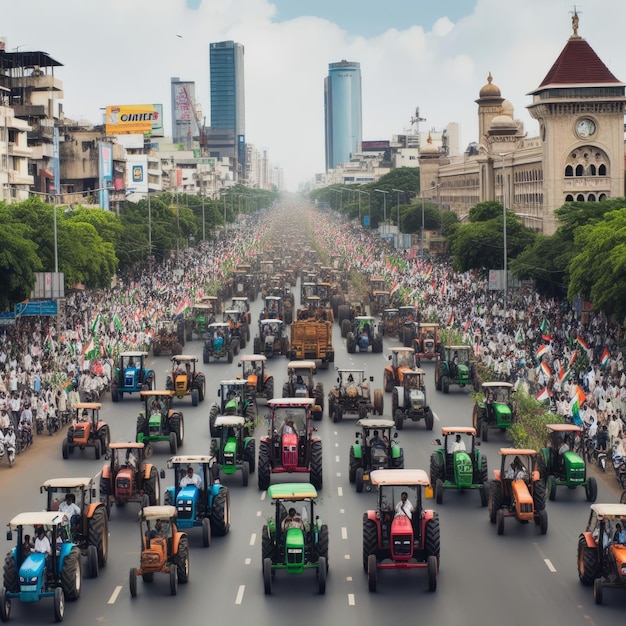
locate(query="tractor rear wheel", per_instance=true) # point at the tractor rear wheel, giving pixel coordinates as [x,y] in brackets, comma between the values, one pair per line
[264,468]
[269,388]
[432,540]
[354,465]
[105,486]
[495,499]
[177,426]
[551,487]
[346,325]
[359,480]
[445,384]
[10,579]
[213,413]
[182,560]
[92,562]
[321,547]
[588,564]
[591,489]
[315,471]
[484,472]
[220,513]
[71,576]
[539,495]
[372,573]
[379,401]
[142,425]
[98,533]
[195,397]
[249,455]
[267,544]
[5,606]
[429,419]
[436,468]
[245,473]
[152,486]
[370,540]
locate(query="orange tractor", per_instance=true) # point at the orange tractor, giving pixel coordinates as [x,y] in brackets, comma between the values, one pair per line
[402,360]
[86,430]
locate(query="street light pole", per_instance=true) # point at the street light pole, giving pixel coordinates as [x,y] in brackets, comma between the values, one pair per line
[56,241]
[384,203]
[398,191]
[506,278]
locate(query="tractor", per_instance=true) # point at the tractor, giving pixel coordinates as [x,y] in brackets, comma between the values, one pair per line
[274,310]
[407,314]
[260,382]
[423,337]
[290,445]
[131,375]
[169,337]
[233,448]
[202,314]
[409,401]
[235,398]
[219,343]
[346,314]
[86,430]
[159,422]
[242,304]
[399,533]
[31,576]
[402,359]
[126,478]
[164,549]
[351,395]
[272,339]
[375,448]
[379,300]
[185,380]
[90,530]
[495,410]
[363,335]
[300,384]
[239,327]
[517,490]
[459,464]
[562,466]
[602,549]
[454,367]
[206,506]
[294,540]
[390,322]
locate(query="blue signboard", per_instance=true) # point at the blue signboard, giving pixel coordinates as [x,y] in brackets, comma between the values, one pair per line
[41,307]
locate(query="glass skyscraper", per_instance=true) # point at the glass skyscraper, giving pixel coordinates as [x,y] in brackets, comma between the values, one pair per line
[342,112]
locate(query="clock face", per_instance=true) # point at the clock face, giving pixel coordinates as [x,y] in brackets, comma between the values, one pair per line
[585,128]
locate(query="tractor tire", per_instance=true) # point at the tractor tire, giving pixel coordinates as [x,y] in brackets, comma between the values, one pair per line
[591,489]
[249,455]
[358,479]
[337,413]
[379,401]
[267,576]
[213,413]
[115,396]
[539,495]
[152,486]
[92,562]
[542,521]
[436,469]
[156,349]
[438,487]
[388,381]
[267,544]
[256,346]
[97,449]
[71,576]
[484,472]
[354,465]
[315,470]
[433,573]
[269,388]
[173,444]
[370,540]
[429,419]
[500,521]
[194,397]
[10,579]
[105,437]
[98,534]
[245,473]
[394,401]
[242,341]
[398,462]
[398,418]
[65,449]
[264,469]
[346,325]
[484,494]
[230,355]
[142,425]
[59,604]
[588,564]
[250,417]
[377,344]
[408,336]
[445,384]
[177,426]
[343,313]
[362,411]
[206,532]
[477,414]
[220,513]
[350,343]
[484,430]
[5,606]
[181,560]
[105,488]
[495,499]
[321,547]
[206,356]
[551,488]
[439,372]
[177,349]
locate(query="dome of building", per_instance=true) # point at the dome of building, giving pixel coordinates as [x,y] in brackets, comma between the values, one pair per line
[429,148]
[502,122]
[490,90]
[507,108]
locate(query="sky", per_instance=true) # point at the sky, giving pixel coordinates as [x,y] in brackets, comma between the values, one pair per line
[413,53]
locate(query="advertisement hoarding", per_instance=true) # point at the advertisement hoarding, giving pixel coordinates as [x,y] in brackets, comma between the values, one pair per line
[105,171]
[131,119]
[137,173]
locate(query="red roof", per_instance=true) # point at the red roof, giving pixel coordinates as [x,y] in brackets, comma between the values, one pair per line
[578,64]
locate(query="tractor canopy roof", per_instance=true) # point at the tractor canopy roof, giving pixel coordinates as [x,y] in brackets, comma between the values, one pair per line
[39,518]
[163,512]
[494,384]
[457,348]
[184,358]
[235,382]
[203,306]
[253,357]
[401,349]
[136,354]
[96,406]
[399,477]
[375,422]
[218,325]
[267,322]
[291,402]
[227,421]
[239,299]
[390,311]
[189,459]
[522,451]
[563,428]
[125,445]
[69,483]
[292,491]
[610,511]
[361,319]
[163,393]
[302,365]
[273,298]
[462,430]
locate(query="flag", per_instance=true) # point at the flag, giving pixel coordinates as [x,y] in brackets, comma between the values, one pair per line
[117,322]
[443,287]
[573,358]
[564,376]
[467,326]
[182,307]
[545,368]
[540,351]
[544,326]
[94,324]
[576,402]
[605,358]
[395,288]
[451,320]
[582,343]
[543,395]
[91,350]
[546,337]
[557,368]
[519,335]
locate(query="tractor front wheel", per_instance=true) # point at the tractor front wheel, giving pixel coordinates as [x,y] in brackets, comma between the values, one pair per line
[71,576]
[267,576]
[433,573]
[5,606]
[132,582]
[495,499]
[591,489]
[315,473]
[359,480]
[588,563]
[206,532]
[264,469]
[372,573]
[182,560]
[370,541]
[220,513]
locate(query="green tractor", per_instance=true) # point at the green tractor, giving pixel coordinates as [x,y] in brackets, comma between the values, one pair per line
[560,466]
[159,422]
[495,410]
[454,367]
[235,398]
[459,464]
[294,540]
[233,449]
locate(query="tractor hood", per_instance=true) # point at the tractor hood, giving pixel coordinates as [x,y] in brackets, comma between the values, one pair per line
[294,548]
[463,469]
[230,451]
[130,376]
[218,344]
[503,412]
[232,406]
[416,398]
[186,502]
[32,567]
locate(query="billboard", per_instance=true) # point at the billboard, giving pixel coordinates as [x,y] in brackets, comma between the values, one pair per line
[137,173]
[157,121]
[374,146]
[131,119]
[105,173]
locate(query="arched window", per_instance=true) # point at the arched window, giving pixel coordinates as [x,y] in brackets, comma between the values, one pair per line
[602,170]
[569,171]
[569,198]
[592,170]
[580,171]
[591,197]
[580,198]
[603,196]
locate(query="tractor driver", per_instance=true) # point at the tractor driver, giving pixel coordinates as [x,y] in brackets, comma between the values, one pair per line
[404,507]
[293,520]
[191,478]
[160,529]
[71,509]
[376,441]
[454,369]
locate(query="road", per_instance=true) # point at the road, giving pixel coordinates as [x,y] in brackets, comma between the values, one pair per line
[519,578]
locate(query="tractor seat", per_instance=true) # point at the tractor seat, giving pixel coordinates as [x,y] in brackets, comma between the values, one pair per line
[54,505]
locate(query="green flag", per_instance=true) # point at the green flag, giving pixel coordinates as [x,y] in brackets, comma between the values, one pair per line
[117,322]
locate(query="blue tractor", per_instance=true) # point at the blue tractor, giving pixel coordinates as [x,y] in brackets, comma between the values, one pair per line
[204,503]
[131,375]
[30,576]
[364,335]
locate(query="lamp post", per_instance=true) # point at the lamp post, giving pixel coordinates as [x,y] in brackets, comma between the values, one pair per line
[398,191]
[369,203]
[384,202]
[506,278]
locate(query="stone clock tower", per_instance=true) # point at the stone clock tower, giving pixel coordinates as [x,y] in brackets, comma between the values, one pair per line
[580,108]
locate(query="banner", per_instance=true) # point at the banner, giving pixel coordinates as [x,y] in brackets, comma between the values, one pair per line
[131,119]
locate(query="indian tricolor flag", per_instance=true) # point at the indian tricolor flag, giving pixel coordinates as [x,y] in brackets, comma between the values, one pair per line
[582,343]
[573,358]
[605,358]
[540,351]
[564,375]
[545,368]
[543,395]
[578,399]
[395,288]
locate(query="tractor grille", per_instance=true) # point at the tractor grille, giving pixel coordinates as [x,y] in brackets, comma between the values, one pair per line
[150,558]
[294,556]
[184,509]
[129,379]
[123,486]
[79,432]
[290,456]
[402,545]
[229,458]
[526,507]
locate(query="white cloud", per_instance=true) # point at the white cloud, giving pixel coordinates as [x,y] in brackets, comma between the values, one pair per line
[117,51]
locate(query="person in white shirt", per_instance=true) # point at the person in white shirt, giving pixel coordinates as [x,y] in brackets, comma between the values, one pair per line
[69,506]
[404,507]
[191,478]
[42,543]
[293,520]
[458,445]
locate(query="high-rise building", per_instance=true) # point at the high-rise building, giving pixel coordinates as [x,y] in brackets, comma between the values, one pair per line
[228,110]
[342,112]
[185,126]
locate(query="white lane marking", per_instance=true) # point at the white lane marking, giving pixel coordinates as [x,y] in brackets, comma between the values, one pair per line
[347,557]
[335,432]
[239,598]
[339,491]
[258,513]
[344,532]
[338,474]
[342,510]
[435,416]
[351,599]
[253,539]
[551,567]
[337,459]
[263,495]
[116,592]
[247,561]
[336,445]
[349,579]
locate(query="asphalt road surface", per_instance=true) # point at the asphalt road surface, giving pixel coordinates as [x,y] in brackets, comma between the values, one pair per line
[519,578]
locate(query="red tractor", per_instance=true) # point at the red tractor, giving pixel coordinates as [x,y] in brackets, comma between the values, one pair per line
[399,533]
[86,430]
[290,445]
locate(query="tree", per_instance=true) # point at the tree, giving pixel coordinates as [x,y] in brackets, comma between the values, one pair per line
[411,218]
